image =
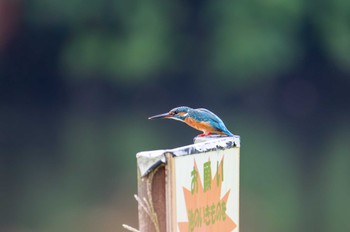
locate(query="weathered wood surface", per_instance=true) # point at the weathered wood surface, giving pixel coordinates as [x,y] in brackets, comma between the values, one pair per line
[152,188]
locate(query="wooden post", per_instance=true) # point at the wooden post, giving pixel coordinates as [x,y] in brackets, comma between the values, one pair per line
[151,189]
[191,188]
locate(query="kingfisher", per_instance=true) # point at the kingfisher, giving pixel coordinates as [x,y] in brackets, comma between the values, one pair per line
[200,119]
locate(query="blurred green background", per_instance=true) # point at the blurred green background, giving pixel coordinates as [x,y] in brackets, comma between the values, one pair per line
[78,80]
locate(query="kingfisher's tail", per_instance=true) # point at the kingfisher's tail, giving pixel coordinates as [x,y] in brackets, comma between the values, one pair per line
[227,132]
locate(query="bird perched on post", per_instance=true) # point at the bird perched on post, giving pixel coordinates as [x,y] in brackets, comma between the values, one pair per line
[200,119]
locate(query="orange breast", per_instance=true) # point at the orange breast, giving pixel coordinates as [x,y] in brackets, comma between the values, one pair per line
[201,126]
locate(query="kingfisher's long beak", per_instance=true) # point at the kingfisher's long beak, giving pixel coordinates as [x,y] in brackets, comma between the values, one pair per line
[165,115]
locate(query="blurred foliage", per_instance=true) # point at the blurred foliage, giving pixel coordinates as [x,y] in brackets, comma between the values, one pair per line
[254,38]
[133,40]
[78,80]
[260,149]
[337,187]
[332,20]
[110,40]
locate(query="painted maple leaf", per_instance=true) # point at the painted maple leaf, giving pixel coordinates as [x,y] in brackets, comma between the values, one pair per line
[205,210]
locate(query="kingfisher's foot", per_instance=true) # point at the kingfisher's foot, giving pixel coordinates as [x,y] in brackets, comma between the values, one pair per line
[205,134]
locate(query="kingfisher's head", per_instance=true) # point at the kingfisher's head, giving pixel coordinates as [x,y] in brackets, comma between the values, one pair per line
[178,113]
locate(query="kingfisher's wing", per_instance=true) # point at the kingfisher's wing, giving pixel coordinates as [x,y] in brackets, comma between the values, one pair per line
[215,121]
[207,115]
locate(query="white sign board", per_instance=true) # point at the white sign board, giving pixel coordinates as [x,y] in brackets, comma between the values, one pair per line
[204,191]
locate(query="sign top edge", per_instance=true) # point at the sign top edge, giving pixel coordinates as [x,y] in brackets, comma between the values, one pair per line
[149,160]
